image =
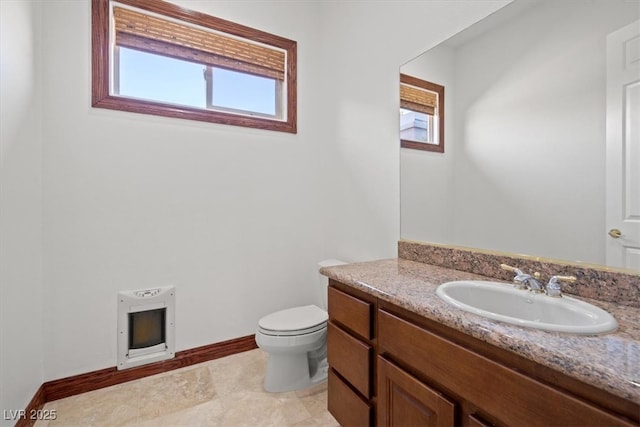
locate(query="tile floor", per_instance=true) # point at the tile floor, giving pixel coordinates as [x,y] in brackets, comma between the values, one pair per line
[222,392]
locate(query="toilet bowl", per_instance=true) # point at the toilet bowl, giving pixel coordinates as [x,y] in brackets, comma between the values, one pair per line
[295,340]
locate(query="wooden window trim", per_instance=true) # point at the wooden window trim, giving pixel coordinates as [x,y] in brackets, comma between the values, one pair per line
[101,98]
[433,87]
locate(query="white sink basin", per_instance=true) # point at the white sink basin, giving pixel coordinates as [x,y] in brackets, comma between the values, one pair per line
[501,301]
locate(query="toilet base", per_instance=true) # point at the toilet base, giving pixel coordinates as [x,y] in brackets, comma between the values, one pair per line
[296,361]
[291,372]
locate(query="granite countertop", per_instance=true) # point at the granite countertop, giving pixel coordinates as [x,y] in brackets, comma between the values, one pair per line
[609,361]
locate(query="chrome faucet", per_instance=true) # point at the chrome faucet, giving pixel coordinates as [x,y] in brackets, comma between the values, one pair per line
[527,281]
[524,280]
[530,282]
[553,287]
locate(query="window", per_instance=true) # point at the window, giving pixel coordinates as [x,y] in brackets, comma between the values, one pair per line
[154,57]
[421,114]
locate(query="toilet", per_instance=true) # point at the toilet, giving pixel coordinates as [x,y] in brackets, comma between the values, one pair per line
[296,341]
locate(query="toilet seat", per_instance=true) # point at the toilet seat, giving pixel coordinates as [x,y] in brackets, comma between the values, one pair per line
[294,321]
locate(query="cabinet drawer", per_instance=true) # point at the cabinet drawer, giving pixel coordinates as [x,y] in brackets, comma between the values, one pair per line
[351,312]
[506,394]
[345,405]
[350,357]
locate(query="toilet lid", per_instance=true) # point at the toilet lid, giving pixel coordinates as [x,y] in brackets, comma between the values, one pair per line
[294,319]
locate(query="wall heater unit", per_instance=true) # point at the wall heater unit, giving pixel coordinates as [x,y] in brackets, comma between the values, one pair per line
[146,326]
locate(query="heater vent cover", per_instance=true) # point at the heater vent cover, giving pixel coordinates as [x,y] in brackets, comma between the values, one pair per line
[146,326]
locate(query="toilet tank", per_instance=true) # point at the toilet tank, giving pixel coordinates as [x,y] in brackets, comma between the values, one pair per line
[323,281]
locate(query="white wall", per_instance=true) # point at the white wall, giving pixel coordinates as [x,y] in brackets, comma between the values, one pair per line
[231,216]
[21,346]
[235,218]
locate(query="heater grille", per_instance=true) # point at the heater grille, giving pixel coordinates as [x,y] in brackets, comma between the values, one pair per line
[147,328]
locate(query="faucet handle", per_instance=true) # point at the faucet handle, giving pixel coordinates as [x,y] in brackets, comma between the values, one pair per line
[568,279]
[553,287]
[509,268]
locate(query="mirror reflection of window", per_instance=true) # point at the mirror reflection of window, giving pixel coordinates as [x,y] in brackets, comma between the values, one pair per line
[417,126]
[421,114]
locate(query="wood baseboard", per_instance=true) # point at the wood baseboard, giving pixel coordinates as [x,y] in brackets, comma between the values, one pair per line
[36,403]
[70,386]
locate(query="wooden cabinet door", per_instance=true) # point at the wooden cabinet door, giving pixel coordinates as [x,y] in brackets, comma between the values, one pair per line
[405,401]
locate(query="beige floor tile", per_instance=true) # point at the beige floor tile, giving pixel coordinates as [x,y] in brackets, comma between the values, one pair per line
[110,406]
[171,393]
[241,372]
[262,409]
[208,414]
[325,420]
[314,399]
[226,392]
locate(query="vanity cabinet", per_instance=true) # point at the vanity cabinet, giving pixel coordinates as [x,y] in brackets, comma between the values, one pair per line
[440,374]
[350,354]
[426,374]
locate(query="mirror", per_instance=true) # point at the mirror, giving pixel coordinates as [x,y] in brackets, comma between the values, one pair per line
[524,170]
